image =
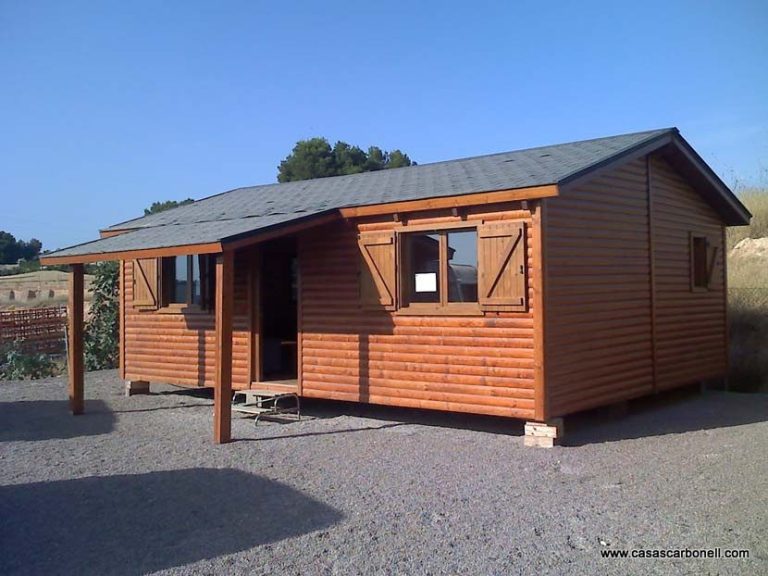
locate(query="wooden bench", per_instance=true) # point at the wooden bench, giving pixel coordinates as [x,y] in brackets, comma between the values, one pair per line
[265,403]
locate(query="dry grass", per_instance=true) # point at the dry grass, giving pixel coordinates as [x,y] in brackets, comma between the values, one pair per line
[40,283]
[748,301]
[756,201]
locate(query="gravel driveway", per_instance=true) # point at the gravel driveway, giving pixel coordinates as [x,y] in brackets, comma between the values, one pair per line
[135,486]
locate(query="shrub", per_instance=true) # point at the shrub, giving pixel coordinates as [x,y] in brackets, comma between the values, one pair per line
[17,364]
[748,335]
[748,300]
[101,329]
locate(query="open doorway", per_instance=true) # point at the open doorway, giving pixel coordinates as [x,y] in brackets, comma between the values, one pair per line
[278,306]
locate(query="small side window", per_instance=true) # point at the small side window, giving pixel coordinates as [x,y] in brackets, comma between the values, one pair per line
[702,262]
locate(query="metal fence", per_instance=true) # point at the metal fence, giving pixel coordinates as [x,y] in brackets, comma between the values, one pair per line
[38,329]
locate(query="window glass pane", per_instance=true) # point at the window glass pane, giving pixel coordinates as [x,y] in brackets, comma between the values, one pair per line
[196,289]
[462,266]
[179,295]
[699,262]
[422,252]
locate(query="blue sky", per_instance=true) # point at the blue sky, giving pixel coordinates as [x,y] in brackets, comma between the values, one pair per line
[106,107]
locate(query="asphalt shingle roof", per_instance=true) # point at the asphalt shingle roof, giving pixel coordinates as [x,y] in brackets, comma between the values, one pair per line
[256,208]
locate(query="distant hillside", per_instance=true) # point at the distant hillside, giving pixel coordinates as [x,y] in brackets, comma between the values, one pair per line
[34,289]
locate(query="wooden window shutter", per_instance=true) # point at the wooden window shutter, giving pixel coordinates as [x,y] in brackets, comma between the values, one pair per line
[703,260]
[501,266]
[378,270]
[145,283]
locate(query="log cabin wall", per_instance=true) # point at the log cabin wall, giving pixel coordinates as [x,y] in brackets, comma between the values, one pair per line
[179,348]
[598,334]
[477,364]
[691,328]
[618,323]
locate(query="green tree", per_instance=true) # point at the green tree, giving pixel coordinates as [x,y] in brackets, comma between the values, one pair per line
[314,158]
[348,159]
[9,251]
[30,250]
[398,159]
[12,250]
[377,159]
[311,158]
[167,205]
[101,329]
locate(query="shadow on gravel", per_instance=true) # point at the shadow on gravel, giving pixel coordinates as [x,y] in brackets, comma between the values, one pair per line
[318,408]
[36,420]
[324,433]
[182,393]
[673,412]
[161,408]
[202,393]
[135,524]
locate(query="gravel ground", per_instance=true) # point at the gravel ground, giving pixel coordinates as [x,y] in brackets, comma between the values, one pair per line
[136,486]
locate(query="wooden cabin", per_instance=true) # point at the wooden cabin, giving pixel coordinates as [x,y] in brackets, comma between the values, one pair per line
[528,284]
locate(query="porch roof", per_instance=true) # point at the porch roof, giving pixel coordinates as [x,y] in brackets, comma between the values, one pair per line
[202,237]
[217,220]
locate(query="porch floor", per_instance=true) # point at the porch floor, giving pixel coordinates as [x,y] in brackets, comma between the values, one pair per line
[289,385]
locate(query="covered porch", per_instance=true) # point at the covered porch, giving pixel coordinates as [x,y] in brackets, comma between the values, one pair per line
[270,371]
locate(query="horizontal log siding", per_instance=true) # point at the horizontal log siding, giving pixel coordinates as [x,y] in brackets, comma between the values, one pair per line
[598,334]
[690,326]
[180,348]
[478,364]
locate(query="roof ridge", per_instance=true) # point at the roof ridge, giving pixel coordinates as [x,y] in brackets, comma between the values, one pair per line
[391,171]
[621,152]
[244,211]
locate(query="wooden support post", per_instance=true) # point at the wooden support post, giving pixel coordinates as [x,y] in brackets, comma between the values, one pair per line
[539,283]
[75,335]
[134,387]
[222,405]
[544,434]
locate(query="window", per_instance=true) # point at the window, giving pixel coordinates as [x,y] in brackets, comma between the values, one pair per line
[182,280]
[439,269]
[702,263]
[463,269]
[188,281]
[174,282]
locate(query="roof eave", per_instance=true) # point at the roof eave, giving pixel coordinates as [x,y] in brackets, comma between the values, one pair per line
[90,258]
[684,157]
[675,148]
[615,160]
[224,244]
[454,201]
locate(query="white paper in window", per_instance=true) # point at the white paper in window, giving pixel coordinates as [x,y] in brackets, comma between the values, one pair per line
[426,282]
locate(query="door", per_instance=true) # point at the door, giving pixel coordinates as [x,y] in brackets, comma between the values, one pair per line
[278,310]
